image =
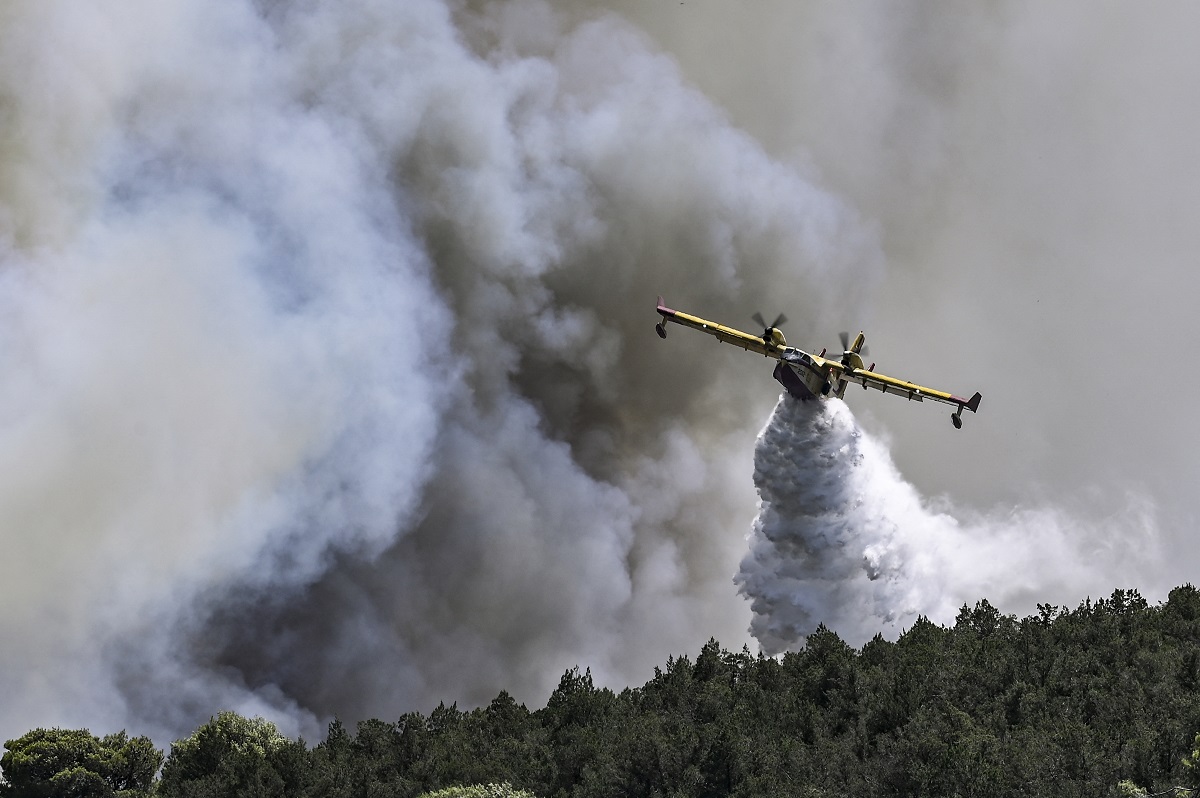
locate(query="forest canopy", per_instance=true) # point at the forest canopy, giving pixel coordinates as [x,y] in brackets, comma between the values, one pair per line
[1098,700]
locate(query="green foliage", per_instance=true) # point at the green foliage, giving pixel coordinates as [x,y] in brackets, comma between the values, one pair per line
[73,762]
[232,755]
[1103,699]
[1065,702]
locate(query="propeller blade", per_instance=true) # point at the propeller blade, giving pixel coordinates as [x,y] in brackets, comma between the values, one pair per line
[844,337]
[780,319]
[758,319]
[866,350]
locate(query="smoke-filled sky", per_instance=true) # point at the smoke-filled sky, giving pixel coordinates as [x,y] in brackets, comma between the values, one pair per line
[1033,176]
[329,384]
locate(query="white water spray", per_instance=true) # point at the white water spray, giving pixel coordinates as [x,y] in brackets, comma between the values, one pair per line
[842,539]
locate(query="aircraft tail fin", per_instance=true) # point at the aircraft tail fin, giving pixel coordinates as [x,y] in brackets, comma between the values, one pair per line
[973,403]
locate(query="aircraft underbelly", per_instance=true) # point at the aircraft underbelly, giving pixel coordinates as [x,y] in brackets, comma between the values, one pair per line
[802,380]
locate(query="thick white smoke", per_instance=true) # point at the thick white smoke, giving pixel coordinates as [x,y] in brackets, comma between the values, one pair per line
[843,539]
[211,337]
[329,382]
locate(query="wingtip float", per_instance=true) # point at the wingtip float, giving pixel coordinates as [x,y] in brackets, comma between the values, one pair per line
[807,376]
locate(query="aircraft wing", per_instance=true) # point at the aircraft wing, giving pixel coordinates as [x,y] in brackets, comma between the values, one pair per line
[729,335]
[909,390]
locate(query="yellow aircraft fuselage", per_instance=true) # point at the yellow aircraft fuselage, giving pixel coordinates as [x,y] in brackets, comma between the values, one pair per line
[807,376]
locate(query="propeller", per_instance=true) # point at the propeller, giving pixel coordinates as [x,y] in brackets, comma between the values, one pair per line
[758,319]
[844,337]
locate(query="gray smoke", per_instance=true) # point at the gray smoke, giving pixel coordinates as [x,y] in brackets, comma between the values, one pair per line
[329,383]
[329,378]
[1032,172]
[842,539]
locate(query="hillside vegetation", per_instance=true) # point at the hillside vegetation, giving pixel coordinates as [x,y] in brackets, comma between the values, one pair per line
[1064,703]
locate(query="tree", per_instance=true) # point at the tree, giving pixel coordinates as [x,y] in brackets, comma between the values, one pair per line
[232,755]
[1102,699]
[131,762]
[75,763]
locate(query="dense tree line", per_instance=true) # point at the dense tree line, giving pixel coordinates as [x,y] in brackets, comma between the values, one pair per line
[1100,700]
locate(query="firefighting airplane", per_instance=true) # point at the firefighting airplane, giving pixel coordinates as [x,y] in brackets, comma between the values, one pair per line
[808,376]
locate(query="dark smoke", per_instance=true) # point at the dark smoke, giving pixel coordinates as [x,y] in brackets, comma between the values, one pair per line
[330,385]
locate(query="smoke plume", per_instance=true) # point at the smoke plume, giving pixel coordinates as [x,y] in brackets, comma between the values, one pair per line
[329,385]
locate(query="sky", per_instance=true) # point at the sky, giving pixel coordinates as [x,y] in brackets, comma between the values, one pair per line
[330,386]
